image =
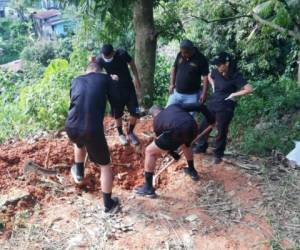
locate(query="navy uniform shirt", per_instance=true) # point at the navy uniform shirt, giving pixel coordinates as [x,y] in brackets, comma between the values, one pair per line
[176,120]
[88,95]
[189,72]
[223,87]
[118,66]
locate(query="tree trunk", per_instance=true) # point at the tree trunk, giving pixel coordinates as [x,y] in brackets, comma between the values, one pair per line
[145,47]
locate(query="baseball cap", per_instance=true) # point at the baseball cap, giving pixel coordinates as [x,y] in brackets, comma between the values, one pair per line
[221,58]
[186,44]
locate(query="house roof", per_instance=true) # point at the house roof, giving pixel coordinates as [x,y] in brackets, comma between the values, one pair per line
[3,3]
[46,14]
[14,66]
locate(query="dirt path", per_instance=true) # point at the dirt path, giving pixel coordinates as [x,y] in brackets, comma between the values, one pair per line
[227,209]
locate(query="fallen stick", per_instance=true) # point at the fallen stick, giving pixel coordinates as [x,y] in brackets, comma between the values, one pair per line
[47,157]
[32,167]
[128,165]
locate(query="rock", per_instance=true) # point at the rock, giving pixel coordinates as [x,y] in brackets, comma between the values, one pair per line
[76,241]
[263,125]
[13,196]
[191,218]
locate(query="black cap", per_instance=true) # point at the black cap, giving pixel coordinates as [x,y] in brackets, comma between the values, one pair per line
[107,49]
[186,44]
[221,58]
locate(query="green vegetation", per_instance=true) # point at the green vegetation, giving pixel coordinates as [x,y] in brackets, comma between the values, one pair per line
[14,35]
[37,98]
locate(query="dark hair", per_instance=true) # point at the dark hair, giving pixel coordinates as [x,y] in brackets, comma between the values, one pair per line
[186,44]
[107,49]
[223,58]
[93,66]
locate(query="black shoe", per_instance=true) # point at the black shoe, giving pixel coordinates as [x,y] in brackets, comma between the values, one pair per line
[115,206]
[77,173]
[145,191]
[217,160]
[192,173]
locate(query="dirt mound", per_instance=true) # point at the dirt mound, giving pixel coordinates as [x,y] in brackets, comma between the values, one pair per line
[56,153]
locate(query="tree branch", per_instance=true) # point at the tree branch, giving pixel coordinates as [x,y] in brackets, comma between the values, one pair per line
[220,19]
[276,27]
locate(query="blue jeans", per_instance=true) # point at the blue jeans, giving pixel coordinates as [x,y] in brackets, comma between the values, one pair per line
[183,98]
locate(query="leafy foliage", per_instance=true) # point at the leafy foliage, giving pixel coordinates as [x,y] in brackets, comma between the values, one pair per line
[13,38]
[161,80]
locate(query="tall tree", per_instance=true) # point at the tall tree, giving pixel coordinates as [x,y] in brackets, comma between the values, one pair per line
[145,28]
[145,46]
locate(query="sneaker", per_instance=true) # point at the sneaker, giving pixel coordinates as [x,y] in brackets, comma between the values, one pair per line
[123,140]
[133,139]
[114,208]
[77,173]
[144,190]
[217,160]
[192,173]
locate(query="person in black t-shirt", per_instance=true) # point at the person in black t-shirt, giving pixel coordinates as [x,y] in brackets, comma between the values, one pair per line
[227,83]
[174,127]
[116,62]
[185,85]
[84,127]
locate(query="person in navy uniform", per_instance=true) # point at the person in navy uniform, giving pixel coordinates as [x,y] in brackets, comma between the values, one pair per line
[116,62]
[228,83]
[174,127]
[189,68]
[84,126]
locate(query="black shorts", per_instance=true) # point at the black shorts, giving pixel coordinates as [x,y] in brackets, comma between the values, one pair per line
[128,98]
[167,142]
[95,144]
[171,141]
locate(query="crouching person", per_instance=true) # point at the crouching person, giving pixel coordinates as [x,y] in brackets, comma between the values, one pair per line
[174,127]
[84,127]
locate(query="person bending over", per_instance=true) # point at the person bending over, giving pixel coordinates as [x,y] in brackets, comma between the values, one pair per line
[174,126]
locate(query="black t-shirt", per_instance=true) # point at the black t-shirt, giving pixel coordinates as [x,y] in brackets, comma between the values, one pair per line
[223,87]
[189,72]
[88,102]
[177,120]
[118,66]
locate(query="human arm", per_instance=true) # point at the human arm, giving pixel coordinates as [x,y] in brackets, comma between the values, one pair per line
[245,90]
[172,80]
[198,107]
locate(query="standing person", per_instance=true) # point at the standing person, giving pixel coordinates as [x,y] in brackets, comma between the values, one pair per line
[185,84]
[174,127]
[84,126]
[116,62]
[228,83]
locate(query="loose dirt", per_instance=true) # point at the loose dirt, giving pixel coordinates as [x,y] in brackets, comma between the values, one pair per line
[227,209]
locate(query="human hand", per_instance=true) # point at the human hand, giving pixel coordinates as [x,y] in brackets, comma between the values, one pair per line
[114,77]
[230,97]
[202,98]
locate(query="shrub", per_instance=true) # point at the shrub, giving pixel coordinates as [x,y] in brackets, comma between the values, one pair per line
[161,80]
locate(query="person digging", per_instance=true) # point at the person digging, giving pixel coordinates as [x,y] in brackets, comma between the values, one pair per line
[174,126]
[84,127]
[116,62]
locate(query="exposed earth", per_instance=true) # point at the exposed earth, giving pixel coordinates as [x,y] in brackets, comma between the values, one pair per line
[244,203]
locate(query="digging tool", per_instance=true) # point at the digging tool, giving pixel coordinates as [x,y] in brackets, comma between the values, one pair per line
[203,133]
